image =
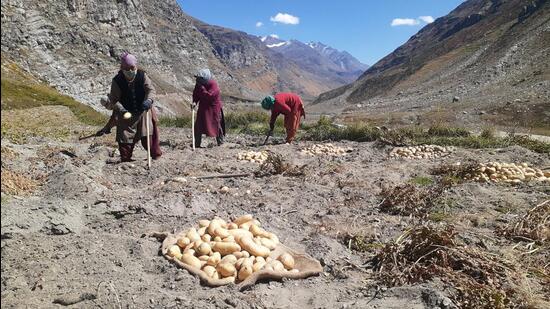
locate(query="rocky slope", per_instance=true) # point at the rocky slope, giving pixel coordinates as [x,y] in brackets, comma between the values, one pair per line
[484,57]
[74,45]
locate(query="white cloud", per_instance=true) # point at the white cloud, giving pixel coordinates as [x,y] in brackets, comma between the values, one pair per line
[259,24]
[412,21]
[285,18]
[426,19]
[404,22]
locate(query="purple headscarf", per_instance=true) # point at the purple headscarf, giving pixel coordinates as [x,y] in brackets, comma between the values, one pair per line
[128,59]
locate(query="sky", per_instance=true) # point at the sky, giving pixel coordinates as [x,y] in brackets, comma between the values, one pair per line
[367,29]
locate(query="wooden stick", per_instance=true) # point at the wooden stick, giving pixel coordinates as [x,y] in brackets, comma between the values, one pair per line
[193,125]
[148,140]
[223,176]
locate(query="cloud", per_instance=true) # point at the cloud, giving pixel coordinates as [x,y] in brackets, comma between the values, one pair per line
[426,19]
[259,24]
[412,21]
[404,22]
[285,18]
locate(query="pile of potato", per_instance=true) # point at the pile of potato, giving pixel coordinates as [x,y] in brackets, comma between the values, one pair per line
[233,250]
[420,152]
[326,149]
[509,172]
[253,156]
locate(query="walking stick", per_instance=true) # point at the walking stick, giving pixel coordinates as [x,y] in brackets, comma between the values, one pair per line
[193,125]
[148,140]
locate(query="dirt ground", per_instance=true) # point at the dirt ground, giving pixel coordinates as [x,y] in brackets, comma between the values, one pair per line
[84,234]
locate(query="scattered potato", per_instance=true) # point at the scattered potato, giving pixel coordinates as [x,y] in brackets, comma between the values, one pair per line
[287,260]
[326,149]
[507,172]
[421,152]
[253,156]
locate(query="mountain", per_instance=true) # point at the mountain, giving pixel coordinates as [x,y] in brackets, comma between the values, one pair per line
[484,56]
[74,46]
[343,59]
[333,66]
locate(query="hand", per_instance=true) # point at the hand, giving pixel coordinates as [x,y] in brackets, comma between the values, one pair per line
[193,105]
[147,104]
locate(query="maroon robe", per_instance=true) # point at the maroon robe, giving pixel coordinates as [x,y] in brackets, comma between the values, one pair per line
[209,114]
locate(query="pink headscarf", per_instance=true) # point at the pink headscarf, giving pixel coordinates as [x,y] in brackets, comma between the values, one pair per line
[128,59]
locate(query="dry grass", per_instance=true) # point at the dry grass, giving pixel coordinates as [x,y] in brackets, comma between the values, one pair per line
[17,184]
[454,174]
[410,199]
[8,154]
[276,165]
[476,279]
[534,226]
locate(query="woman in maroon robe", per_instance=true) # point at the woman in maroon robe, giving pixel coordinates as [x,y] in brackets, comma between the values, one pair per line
[210,119]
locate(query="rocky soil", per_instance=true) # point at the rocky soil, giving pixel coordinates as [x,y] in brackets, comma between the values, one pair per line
[85,235]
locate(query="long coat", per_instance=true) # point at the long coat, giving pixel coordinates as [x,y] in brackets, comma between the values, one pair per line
[210,113]
[291,106]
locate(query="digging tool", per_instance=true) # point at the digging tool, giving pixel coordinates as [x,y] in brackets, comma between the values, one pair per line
[87,137]
[148,140]
[193,124]
[267,137]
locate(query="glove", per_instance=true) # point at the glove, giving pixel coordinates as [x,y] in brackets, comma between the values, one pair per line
[103,132]
[193,105]
[147,104]
[200,80]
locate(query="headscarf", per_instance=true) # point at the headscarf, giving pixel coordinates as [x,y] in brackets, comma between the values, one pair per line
[127,59]
[267,102]
[205,74]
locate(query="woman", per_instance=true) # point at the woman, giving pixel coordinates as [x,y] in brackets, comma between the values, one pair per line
[291,106]
[131,98]
[210,119]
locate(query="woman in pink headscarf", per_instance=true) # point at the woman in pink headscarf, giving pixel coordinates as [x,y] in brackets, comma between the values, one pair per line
[132,93]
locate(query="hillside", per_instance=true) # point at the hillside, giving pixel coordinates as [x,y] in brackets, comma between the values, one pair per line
[74,47]
[485,62]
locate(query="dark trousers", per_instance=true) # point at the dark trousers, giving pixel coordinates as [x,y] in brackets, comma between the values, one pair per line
[219,138]
[126,150]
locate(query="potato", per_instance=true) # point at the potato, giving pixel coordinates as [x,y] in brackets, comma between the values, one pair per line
[245,272]
[242,219]
[204,249]
[190,251]
[223,233]
[193,235]
[229,239]
[183,242]
[204,257]
[245,254]
[226,270]
[206,238]
[237,233]
[249,245]
[257,240]
[204,223]
[217,238]
[259,259]
[225,248]
[214,259]
[201,231]
[238,254]
[191,260]
[196,244]
[248,224]
[287,260]
[248,261]
[268,243]
[232,226]
[277,265]
[189,247]
[174,251]
[209,270]
[258,266]
[239,263]
[229,259]
[127,115]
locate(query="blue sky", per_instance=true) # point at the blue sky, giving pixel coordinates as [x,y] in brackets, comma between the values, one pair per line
[361,27]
